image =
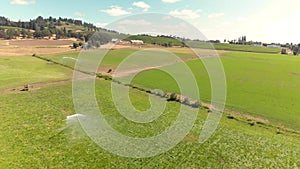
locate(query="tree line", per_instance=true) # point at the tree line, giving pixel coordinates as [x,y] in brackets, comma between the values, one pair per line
[47,27]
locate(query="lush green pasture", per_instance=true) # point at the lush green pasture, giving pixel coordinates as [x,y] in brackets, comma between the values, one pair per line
[263,85]
[111,60]
[114,57]
[245,48]
[233,47]
[31,123]
[16,71]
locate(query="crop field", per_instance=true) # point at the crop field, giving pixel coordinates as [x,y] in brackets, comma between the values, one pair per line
[34,124]
[28,51]
[246,48]
[262,85]
[18,71]
[110,61]
[167,84]
[234,47]
[114,57]
[26,43]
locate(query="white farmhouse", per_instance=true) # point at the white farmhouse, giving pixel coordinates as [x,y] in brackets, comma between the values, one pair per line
[273,46]
[137,42]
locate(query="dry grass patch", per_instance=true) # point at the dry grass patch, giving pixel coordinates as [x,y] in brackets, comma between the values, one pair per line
[28,51]
[37,42]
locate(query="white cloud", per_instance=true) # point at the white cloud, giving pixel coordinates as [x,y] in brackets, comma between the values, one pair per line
[101,24]
[135,22]
[79,14]
[142,5]
[185,14]
[216,15]
[170,1]
[115,11]
[22,2]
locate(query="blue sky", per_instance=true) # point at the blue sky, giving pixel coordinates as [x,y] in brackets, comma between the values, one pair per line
[261,20]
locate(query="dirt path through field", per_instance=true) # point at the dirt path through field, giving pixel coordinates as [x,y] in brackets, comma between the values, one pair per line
[134,71]
[33,86]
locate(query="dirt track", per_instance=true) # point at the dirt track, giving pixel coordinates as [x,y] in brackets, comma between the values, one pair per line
[33,86]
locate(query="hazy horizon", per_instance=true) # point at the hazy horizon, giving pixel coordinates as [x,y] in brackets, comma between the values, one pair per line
[268,21]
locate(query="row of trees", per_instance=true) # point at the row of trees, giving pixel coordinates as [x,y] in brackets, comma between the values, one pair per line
[47,27]
[162,40]
[296,50]
[41,23]
[240,40]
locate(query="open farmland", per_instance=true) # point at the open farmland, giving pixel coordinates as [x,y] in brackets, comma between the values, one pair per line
[262,85]
[18,71]
[28,51]
[30,47]
[35,122]
[46,43]
[233,47]
[166,84]
[35,119]
[116,55]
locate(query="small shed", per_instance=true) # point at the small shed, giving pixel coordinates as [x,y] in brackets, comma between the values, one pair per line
[273,46]
[137,42]
[115,40]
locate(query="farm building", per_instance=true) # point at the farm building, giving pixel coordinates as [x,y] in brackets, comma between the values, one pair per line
[273,46]
[137,42]
[116,41]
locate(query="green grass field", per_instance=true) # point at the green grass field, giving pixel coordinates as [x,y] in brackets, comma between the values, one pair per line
[115,57]
[18,71]
[112,59]
[246,48]
[233,47]
[31,123]
[263,85]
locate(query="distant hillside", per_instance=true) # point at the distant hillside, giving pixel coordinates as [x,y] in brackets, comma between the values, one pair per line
[231,47]
[61,28]
[53,28]
[166,41]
